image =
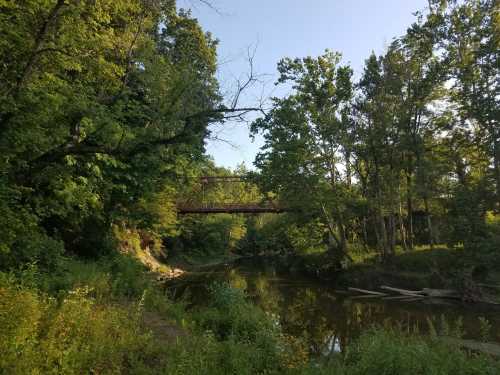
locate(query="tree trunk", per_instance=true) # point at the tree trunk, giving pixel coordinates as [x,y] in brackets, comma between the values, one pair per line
[378,235]
[460,170]
[409,205]
[392,233]
[383,235]
[365,233]
[339,250]
[380,227]
[429,222]
[402,228]
[348,169]
[496,165]
[343,234]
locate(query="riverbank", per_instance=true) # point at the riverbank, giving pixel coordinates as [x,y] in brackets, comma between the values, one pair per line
[111,316]
[197,263]
[475,275]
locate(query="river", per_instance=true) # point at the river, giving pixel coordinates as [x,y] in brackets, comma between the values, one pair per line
[329,319]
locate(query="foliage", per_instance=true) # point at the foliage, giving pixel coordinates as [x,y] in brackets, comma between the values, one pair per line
[408,155]
[230,315]
[22,240]
[42,336]
[212,236]
[303,136]
[382,352]
[240,325]
[101,106]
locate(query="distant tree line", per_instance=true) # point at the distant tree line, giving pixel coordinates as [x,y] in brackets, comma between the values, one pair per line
[416,140]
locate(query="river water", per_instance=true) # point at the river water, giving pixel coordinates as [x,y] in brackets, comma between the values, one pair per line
[329,319]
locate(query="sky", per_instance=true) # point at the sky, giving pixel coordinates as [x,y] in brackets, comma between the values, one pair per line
[289,28]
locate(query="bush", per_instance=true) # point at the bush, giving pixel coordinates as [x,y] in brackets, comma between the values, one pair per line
[247,333]
[115,276]
[389,352]
[22,240]
[75,336]
[205,355]
[230,315]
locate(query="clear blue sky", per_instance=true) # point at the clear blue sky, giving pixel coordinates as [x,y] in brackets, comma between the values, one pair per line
[293,28]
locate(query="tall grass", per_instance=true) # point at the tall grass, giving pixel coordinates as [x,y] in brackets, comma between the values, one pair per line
[44,336]
[89,319]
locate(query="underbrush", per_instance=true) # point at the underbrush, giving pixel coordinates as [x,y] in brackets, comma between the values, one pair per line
[389,352]
[72,336]
[247,330]
[89,318]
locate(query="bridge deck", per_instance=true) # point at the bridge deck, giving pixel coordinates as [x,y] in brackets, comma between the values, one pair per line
[229,209]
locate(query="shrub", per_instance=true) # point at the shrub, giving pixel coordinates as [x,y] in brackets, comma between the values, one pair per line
[205,355]
[115,276]
[75,336]
[230,315]
[20,316]
[247,332]
[22,240]
[389,352]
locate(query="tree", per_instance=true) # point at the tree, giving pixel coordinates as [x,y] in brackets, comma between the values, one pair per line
[306,148]
[101,103]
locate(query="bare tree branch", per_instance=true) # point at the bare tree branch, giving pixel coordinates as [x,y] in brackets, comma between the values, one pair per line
[207,4]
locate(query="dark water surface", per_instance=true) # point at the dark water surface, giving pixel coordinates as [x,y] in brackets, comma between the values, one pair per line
[328,318]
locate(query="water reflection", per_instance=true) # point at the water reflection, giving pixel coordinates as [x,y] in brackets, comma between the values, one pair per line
[328,320]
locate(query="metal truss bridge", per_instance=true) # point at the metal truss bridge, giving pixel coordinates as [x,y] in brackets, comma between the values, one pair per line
[185,208]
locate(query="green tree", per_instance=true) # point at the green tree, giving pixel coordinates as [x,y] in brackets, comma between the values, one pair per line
[101,106]
[304,156]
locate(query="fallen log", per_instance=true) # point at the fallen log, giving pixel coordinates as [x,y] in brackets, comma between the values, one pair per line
[426,292]
[441,293]
[410,293]
[402,298]
[419,294]
[364,291]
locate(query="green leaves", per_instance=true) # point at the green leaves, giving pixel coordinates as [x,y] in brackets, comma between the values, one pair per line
[307,141]
[99,103]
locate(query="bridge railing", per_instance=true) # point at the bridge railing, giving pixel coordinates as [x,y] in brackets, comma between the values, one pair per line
[229,208]
[199,204]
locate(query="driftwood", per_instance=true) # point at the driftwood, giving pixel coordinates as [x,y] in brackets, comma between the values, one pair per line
[404,292]
[441,293]
[364,291]
[415,295]
[402,298]
[426,292]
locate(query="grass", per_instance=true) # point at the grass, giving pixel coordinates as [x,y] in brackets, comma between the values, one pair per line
[393,353]
[109,317]
[41,334]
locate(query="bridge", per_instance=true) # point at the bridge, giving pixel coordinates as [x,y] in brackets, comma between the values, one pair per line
[185,208]
[229,208]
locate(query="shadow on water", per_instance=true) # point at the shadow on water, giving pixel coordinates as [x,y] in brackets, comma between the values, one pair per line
[328,319]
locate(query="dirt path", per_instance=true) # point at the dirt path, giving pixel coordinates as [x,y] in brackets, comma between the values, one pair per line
[163,330]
